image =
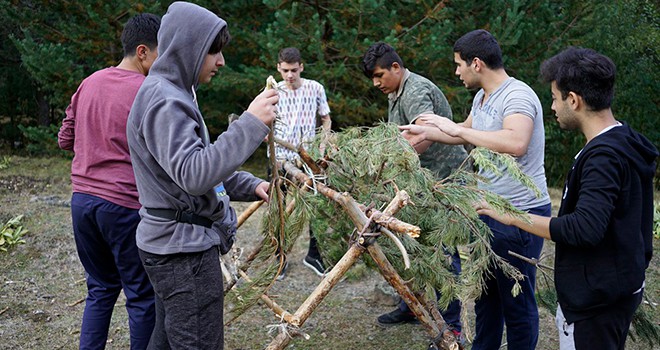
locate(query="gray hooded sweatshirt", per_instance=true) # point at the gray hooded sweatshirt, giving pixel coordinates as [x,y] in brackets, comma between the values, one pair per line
[175,164]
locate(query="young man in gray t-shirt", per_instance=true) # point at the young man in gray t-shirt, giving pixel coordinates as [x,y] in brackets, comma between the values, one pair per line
[506,117]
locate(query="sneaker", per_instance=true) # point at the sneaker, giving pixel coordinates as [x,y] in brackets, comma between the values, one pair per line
[283,272]
[397,317]
[315,265]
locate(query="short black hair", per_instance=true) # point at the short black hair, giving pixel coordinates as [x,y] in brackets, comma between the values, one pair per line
[141,29]
[289,55]
[584,72]
[221,40]
[481,44]
[380,55]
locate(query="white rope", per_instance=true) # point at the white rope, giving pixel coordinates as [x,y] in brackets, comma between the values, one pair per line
[281,327]
[314,177]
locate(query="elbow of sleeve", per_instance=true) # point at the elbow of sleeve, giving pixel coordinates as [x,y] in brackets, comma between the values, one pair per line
[192,184]
[65,144]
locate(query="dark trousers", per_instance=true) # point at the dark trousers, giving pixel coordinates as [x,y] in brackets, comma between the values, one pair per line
[189,300]
[497,306]
[452,315]
[608,330]
[105,239]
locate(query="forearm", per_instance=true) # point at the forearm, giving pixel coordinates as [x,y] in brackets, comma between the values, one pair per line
[436,135]
[538,225]
[535,224]
[502,141]
[326,122]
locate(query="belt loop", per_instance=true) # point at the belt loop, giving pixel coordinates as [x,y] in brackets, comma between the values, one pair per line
[177,215]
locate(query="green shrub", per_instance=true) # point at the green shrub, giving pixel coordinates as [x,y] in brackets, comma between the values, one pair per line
[41,140]
[12,233]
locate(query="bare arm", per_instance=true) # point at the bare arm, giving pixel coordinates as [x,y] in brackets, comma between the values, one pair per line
[538,225]
[513,138]
[326,122]
[421,134]
[422,144]
[423,131]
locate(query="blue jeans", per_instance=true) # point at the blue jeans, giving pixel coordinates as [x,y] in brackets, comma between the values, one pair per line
[189,300]
[496,306]
[105,240]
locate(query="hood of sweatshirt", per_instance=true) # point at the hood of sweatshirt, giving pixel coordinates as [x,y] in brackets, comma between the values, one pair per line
[176,49]
[632,145]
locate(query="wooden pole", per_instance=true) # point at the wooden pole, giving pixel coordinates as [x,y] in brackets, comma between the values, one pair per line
[313,300]
[278,310]
[248,212]
[360,220]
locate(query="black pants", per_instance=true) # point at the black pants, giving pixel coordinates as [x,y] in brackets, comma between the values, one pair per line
[607,331]
[189,300]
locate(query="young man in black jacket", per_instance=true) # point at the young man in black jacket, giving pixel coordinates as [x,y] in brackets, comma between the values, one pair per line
[603,231]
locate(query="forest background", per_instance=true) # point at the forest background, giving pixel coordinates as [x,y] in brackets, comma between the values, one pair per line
[48,47]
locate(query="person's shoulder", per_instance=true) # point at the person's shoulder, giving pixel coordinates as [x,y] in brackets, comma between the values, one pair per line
[416,84]
[518,85]
[419,79]
[516,89]
[100,74]
[311,83]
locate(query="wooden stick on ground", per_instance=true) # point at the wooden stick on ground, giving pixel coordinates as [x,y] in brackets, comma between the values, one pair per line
[278,310]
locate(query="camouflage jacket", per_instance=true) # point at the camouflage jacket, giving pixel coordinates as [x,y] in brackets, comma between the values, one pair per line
[417,95]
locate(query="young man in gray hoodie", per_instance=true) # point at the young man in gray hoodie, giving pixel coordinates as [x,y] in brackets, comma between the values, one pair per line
[185,180]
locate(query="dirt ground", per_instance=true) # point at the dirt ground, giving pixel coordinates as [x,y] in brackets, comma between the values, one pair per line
[42,287]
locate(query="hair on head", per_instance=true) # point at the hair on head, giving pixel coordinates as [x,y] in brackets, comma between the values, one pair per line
[380,55]
[480,44]
[141,29]
[585,72]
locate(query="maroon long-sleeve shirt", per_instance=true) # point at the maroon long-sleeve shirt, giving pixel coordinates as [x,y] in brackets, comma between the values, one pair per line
[95,130]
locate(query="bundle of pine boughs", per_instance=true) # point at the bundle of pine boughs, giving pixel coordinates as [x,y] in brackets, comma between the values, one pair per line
[372,164]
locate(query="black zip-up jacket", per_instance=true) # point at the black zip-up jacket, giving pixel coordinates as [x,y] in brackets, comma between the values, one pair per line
[604,228]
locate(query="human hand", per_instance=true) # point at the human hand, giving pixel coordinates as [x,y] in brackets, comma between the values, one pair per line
[483,208]
[444,124]
[414,134]
[262,191]
[264,106]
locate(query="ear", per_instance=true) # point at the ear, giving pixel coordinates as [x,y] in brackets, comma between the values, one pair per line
[477,64]
[396,66]
[302,67]
[141,51]
[574,101]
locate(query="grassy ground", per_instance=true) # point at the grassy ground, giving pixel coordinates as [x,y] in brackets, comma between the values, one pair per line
[42,287]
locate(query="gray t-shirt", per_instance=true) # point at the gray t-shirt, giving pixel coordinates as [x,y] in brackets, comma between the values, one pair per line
[418,95]
[514,97]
